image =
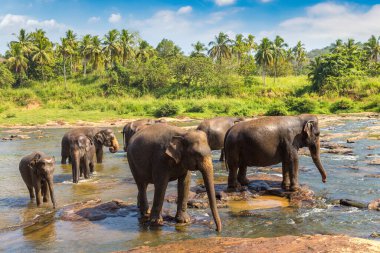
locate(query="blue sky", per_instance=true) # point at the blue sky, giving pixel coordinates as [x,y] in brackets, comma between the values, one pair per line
[315,23]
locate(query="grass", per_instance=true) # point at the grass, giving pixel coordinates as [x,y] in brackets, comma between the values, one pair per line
[86,99]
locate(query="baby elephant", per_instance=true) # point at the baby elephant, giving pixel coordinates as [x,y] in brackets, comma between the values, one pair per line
[37,172]
[82,154]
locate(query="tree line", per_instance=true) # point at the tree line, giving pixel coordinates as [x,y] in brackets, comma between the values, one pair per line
[128,60]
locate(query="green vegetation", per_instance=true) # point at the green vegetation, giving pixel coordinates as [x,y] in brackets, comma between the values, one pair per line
[122,76]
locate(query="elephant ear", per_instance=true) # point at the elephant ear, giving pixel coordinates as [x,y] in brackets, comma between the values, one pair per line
[84,143]
[308,128]
[35,160]
[99,137]
[174,150]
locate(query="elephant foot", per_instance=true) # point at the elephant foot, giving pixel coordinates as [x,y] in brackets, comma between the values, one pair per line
[233,188]
[294,188]
[156,221]
[285,186]
[243,181]
[183,217]
[45,200]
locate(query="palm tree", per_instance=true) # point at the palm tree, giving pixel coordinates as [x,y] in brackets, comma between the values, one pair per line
[42,53]
[126,45]
[72,42]
[220,48]
[85,51]
[351,46]
[278,46]
[337,46]
[239,47]
[299,56]
[199,49]
[17,61]
[145,51]
[96,52]
[372,46]
[250,42]
[112,45]
[264,55]
[65,51]
[24,39]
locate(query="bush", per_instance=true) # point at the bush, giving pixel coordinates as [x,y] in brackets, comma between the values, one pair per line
[241,111]
[6,77]
[219,108]
[342,105]
[197,108]
[166,110]
[301,105]
[277,110]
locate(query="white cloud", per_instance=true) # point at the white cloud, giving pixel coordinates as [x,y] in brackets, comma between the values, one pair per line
[114,18]
[184,29]
[326,22]
[93,20]
[185,9]
[224,2]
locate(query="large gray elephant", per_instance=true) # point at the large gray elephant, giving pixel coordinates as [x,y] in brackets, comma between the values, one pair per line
[82,153]
[268,141]
[99,137]
[216,130]
[133,127]
[37,172]
[161,153]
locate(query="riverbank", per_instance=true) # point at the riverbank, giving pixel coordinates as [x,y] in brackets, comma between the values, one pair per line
[282,244]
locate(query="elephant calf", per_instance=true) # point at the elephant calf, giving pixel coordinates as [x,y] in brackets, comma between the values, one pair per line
[37,172]
[216,130]
[99,137]
[268,141]
[82,153]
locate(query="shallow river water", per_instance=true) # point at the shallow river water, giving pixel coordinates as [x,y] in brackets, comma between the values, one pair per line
[113,180]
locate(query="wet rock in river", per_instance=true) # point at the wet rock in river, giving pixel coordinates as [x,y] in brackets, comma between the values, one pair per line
[373,175]
[373,147]
[335,148]
[374,205]
[353,203]
[375,235]
[374,162]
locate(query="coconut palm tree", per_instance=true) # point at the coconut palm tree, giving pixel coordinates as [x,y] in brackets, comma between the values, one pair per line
[278,48]
[111,45]
[220,48]
[145,51]
[337,46]
[239,47]
[85,51]
[96,52]
[43,52]
[199,49]
[251,44]
[64,50]
[372,46]
[264,55]
[24,39]
[17,61]
[299,53]
[126,45]
[72,42]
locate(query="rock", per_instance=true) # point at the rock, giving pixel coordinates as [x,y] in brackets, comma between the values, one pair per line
[373,147]
[93,210]
[375,235]
[374,162]
[335,148]
[374,205]
[352,140]
[259,186]
[306,243]
[372,175]
[353,203]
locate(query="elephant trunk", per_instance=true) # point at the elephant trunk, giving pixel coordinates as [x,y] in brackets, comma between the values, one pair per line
[315,155]
[208,178]
[51,189]
[115,145]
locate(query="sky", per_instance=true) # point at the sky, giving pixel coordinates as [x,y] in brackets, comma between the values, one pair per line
[316,23]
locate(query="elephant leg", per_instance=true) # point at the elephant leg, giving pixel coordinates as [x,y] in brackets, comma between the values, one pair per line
[44,190]
[183,196]
[285,176]
[142,200]
[37,189]
[31,193]
[160,186]
[221,155]
[242,175]
[99,154]
[92,167]
[293,171]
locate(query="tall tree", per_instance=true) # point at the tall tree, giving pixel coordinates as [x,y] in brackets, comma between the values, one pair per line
[300,58]
[112,46]
[17,61]
[220,48]
[278,47]
[166,48]
[65,50]
[43,52]
[24,39]
[337,46]
[127,45]
[85,51]
[72,42]
[239,47]
[145,51]
[251,44]
[264,56]
[198,49]
[372,47]
[96,52]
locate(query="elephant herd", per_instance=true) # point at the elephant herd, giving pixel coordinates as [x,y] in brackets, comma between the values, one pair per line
[158,153]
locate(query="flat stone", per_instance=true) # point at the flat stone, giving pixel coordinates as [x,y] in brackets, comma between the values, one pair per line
[374,205]
[374,162]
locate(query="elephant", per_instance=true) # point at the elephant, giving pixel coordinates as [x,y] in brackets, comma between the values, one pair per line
[216,130]
[161,153]
[37,172]
[133,127]
[99,137]
[82,152]
[270,140]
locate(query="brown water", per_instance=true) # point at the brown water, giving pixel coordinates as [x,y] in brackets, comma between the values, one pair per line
[113,179]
